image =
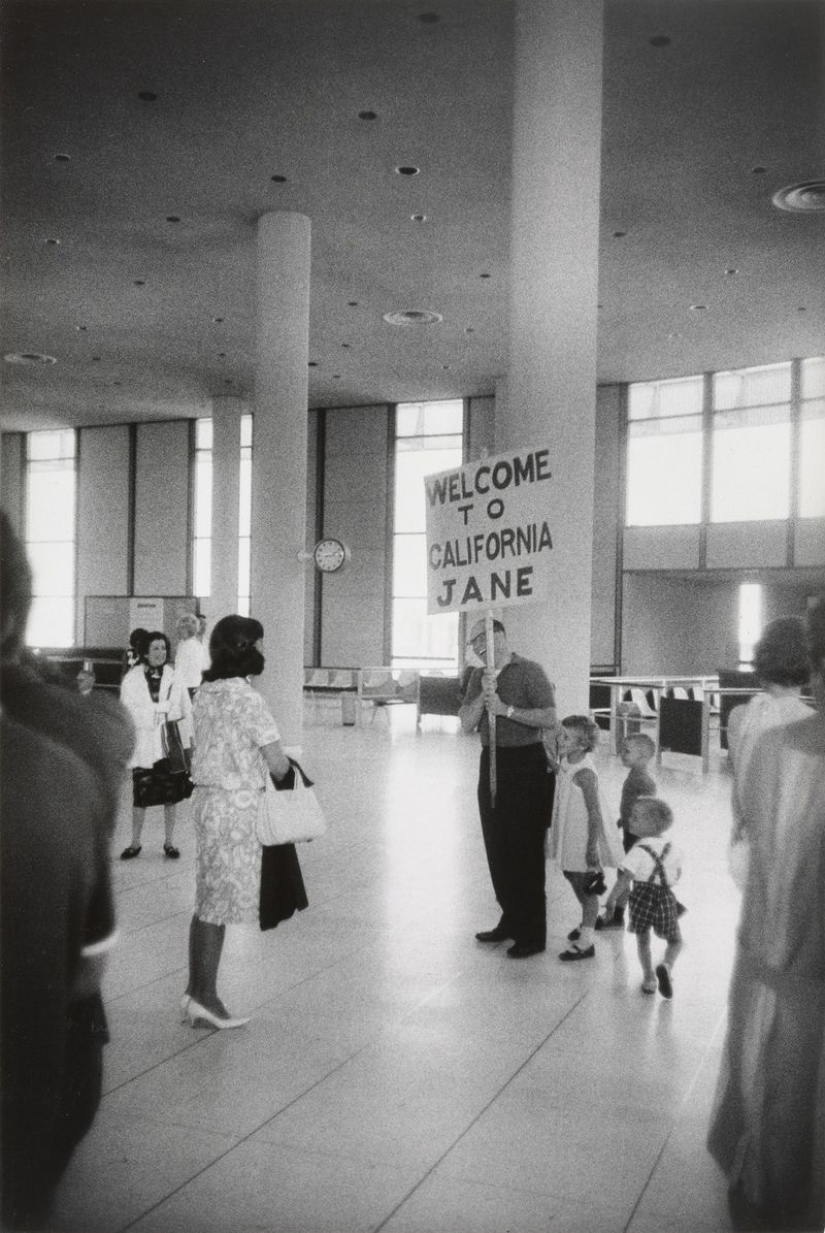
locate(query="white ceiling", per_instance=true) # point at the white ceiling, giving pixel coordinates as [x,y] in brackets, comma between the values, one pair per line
[699,132]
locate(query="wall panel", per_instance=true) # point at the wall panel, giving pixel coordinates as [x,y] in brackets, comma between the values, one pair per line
[12,465]
[162,508]
[743,545]
[102,515]
[355,510]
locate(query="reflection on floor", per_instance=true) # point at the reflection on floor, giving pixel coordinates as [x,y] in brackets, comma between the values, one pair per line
[396,1074]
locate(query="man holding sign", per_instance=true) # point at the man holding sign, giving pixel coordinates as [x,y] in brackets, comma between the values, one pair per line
[516,693]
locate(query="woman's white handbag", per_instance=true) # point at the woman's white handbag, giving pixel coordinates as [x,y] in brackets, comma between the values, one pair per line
[290,815]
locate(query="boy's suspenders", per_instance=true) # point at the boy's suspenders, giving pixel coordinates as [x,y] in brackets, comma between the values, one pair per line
[658,867]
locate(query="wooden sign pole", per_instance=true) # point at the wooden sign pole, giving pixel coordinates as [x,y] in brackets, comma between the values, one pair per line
[491,718]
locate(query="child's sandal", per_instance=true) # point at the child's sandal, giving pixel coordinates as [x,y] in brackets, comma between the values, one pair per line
[649,985]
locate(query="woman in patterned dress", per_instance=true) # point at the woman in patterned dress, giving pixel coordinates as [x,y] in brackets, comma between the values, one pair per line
[237,744]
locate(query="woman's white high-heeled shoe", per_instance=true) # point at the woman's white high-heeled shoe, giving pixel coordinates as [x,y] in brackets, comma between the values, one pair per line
[195,1011]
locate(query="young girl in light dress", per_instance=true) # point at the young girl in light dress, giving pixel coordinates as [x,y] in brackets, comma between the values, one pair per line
[582,840]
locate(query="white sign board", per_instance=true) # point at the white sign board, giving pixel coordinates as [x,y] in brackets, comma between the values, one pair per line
[145,613]
[489,540]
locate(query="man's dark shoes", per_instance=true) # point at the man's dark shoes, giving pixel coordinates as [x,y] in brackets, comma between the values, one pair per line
[493,935]
[523,950]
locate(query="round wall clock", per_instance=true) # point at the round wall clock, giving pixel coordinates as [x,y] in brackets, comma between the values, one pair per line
[330,555]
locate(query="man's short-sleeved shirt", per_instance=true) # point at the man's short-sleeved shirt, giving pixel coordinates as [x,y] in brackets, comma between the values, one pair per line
[523,684]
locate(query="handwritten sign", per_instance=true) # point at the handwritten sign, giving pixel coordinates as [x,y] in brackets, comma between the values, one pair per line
[489,538]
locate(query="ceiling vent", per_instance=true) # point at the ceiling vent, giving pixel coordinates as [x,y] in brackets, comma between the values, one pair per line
[413,316]
[807,198]
[29,357]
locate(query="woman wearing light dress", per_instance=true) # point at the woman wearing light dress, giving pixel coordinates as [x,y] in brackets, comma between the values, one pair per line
[189,652]
[768,1127]
[237,744]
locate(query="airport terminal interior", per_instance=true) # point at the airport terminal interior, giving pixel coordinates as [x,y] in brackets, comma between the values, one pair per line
[267,265]
[397,1074]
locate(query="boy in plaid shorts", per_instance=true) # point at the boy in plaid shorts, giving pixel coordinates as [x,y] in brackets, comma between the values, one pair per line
[651,868]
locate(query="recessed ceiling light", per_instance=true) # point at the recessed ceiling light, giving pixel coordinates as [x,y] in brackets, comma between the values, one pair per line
[81,328]
[173,218]
[429,19]
[146,96]
[117,383]
[470,329]
[217,320]
[407,171]
[617,235]
[221,355]
[278,179]
[758,171]
[807,197]
[660,40]
[413,316]
[345,346]
[140,282]
[29,357]
[52,241]
[367,115]
[62,158]
[445,367]
[484,276]
[312,364]
[731,271]
[698,308]
[95,359]
[352,303]
[802,309]
[418,218]
[336,376]
[227,380]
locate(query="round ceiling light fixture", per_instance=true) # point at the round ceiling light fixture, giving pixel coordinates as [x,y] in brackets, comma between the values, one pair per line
[29,357]
[413,316]
[407,170]
[808,197]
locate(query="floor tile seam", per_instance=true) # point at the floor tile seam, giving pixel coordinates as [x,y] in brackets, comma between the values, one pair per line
[683,1103]
[161,920]
[526,1061]
[239,1142]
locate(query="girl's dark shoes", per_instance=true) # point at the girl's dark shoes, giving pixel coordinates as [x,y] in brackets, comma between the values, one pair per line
[170,850]
[133,850]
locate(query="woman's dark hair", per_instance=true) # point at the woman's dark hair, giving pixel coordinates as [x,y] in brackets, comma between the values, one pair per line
[137,639]
[781,654]
[154,635]
[232,649]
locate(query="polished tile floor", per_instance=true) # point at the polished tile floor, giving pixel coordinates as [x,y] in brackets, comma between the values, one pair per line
[396,1074]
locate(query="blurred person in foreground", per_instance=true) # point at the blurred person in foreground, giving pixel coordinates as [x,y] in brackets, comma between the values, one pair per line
[768,1127]
[63,759]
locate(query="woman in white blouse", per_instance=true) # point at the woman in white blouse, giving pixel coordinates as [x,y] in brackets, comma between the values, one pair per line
[153,693]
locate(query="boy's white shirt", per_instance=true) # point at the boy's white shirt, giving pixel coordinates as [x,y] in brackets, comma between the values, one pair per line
[640,864]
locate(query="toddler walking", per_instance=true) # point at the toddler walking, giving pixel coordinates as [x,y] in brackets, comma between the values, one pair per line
[651,868]
[636,754]
[580,841]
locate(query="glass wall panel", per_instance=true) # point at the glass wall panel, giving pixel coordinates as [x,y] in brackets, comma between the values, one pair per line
[202,537]
[751,468]
[811,456]
[51,485]
[752,387]
[664,473]
[428,440]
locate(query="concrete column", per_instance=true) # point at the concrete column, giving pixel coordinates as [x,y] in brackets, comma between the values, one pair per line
[279,461]
[551,381]
[226,463]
